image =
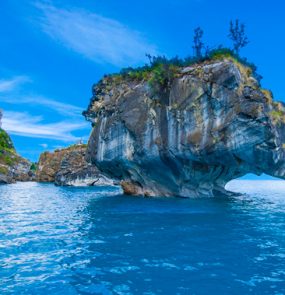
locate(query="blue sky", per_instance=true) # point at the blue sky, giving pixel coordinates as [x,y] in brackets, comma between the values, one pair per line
[53,51]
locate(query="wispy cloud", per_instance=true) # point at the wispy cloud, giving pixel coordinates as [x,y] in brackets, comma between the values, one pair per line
[28,125]
[37,100]
[33,126]
[9,94]
[95,37]
[8,85]
[60,107]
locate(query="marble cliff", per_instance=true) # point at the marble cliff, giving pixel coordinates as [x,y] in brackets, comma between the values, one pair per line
[210,124]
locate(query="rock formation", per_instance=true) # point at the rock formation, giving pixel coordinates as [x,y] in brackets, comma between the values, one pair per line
[12,166]
[68,167]
[211,124]
[49,164]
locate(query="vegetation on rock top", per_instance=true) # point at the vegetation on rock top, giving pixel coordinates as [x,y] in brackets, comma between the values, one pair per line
[5,141]
[8,154]
[72,147]
[161,71]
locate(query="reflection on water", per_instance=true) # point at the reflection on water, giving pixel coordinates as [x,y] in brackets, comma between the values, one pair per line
[96,241]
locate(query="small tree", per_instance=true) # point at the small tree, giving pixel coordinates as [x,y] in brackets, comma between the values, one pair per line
[237,35]
[198,44]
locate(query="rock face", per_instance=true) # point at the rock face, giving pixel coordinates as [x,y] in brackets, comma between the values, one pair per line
[68,167]
[211,125]
[12,167]
[49,164]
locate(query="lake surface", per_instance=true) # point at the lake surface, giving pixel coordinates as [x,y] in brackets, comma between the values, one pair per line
[96,241]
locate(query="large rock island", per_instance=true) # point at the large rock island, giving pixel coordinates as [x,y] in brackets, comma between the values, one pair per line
[185,135]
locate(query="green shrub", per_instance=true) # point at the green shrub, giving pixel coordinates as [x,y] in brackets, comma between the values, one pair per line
[161,68]
[162,76]
[34,167]
[160,71]
[5,141]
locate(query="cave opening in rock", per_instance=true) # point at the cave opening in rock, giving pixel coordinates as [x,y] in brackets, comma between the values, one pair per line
[255,184]
[263,176]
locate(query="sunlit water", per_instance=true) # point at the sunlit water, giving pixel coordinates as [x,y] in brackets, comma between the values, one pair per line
[95,241]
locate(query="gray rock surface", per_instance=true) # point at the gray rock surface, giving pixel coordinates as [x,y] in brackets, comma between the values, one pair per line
[68,167]
[212,125]
[75,171]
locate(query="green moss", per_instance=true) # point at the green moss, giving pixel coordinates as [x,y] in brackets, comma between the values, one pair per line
[278,117]
[8,158]
[268,95]
[3,170]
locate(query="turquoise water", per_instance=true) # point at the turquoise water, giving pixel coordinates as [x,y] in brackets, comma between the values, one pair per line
[95,241]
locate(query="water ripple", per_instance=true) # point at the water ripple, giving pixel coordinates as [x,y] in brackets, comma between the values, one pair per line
[96,241]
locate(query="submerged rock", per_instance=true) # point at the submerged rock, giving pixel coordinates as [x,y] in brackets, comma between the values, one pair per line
[68,167]
[212,124]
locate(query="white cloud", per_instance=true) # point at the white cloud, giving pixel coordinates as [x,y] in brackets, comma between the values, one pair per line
[95,37]
[60,107]
[24,124]
[43,145]
[11,84]
[32,126]
[9,94]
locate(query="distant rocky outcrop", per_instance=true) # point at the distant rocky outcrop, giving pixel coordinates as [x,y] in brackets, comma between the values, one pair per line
[12,166]
[210,124]
[68,167]
[49,164]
